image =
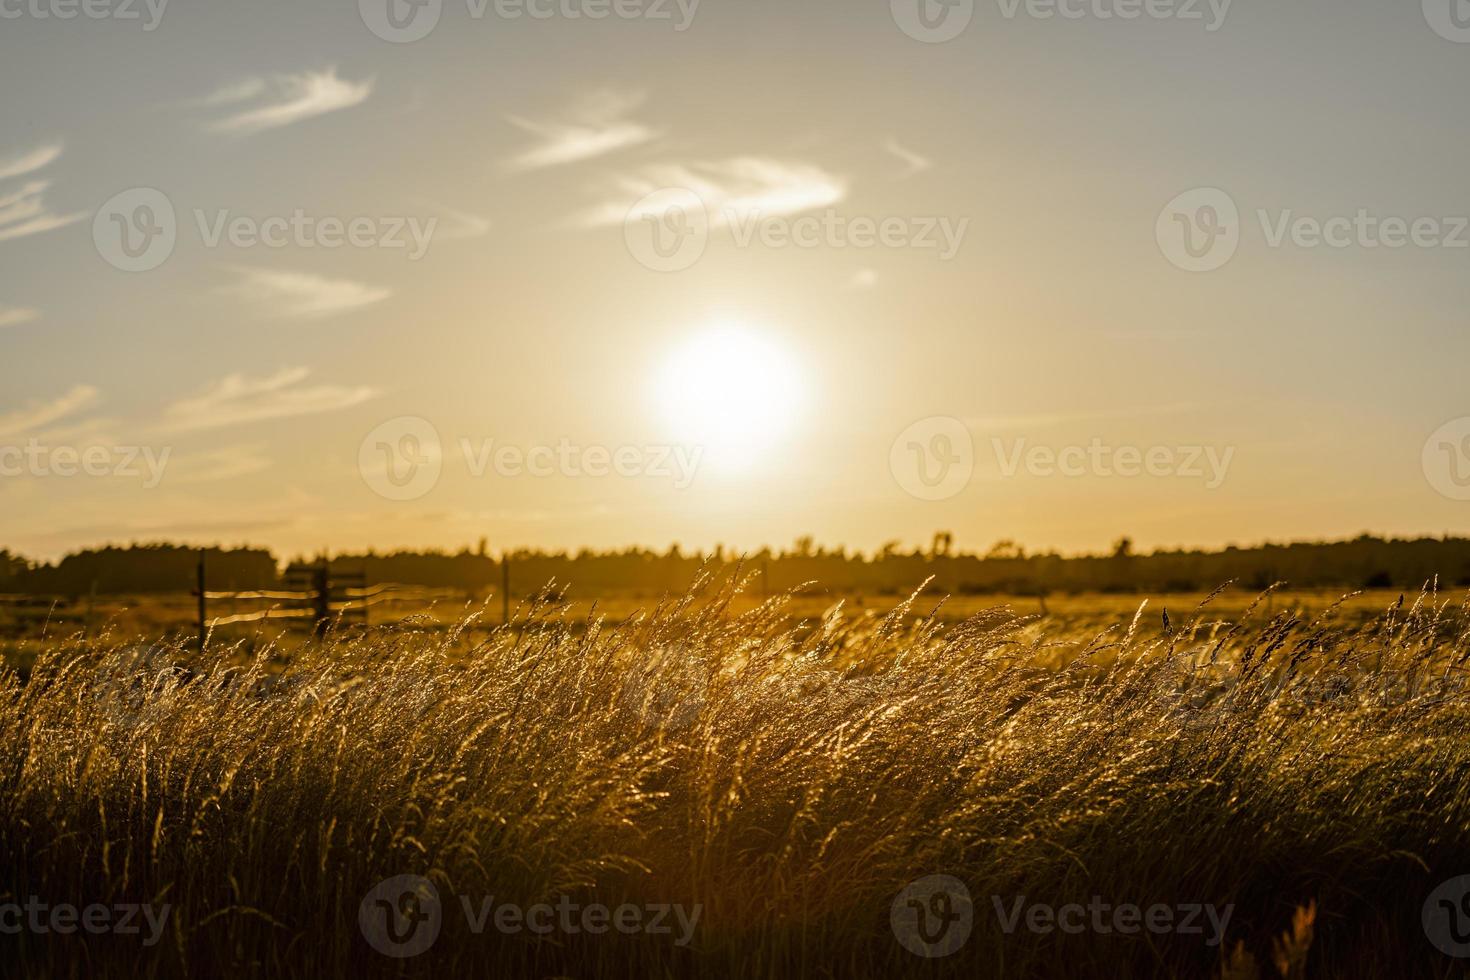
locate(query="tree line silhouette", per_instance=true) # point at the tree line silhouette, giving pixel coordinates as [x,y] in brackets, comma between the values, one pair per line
[1363,562]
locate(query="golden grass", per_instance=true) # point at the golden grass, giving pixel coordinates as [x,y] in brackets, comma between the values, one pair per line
[787,777]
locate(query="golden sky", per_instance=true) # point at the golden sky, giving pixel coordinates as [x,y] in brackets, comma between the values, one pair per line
[730,272]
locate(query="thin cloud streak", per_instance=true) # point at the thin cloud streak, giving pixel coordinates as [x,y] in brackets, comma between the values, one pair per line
[23,210]
[246,88]
[597,128]
[29,161]
[34,416]
[302,295]
[296,97]
[237,400]
[46,222]
[14,316]
[914,163]
[730,190]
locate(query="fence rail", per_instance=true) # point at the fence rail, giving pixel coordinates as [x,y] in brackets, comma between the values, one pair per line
[314,592]
[340,601]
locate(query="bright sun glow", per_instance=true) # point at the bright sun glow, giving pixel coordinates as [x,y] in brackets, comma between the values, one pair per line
[731,391]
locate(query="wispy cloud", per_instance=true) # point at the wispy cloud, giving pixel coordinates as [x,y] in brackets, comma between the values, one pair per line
[302,295]
[914,163]
[236,399]
[594,128]
[730,190]
[284,99]
[23,209]
[80,432]
[14,316]
[37,415]
[29,161]
[240,91]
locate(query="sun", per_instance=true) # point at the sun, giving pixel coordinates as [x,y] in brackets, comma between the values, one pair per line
[732,391]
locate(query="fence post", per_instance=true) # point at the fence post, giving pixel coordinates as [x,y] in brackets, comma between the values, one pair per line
[505,588]
[203,623]
[323,599]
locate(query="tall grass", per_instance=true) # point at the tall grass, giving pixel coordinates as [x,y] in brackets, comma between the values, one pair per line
[787,778]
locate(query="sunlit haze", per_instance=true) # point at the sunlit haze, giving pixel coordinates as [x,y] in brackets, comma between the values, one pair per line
[780,239]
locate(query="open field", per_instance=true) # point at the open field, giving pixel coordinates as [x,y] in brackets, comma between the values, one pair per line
[24,630]
[783,789]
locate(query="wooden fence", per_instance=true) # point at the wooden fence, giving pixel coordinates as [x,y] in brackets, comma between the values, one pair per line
[313,594]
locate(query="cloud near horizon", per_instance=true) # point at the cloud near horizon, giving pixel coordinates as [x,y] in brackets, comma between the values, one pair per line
[237,400]
[288,99]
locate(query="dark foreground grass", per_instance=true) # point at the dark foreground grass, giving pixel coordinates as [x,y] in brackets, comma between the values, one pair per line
[774,787]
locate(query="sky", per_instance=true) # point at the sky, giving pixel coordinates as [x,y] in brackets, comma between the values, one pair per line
[585,273]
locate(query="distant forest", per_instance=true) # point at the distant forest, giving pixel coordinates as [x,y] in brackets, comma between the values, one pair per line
[1364,562]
